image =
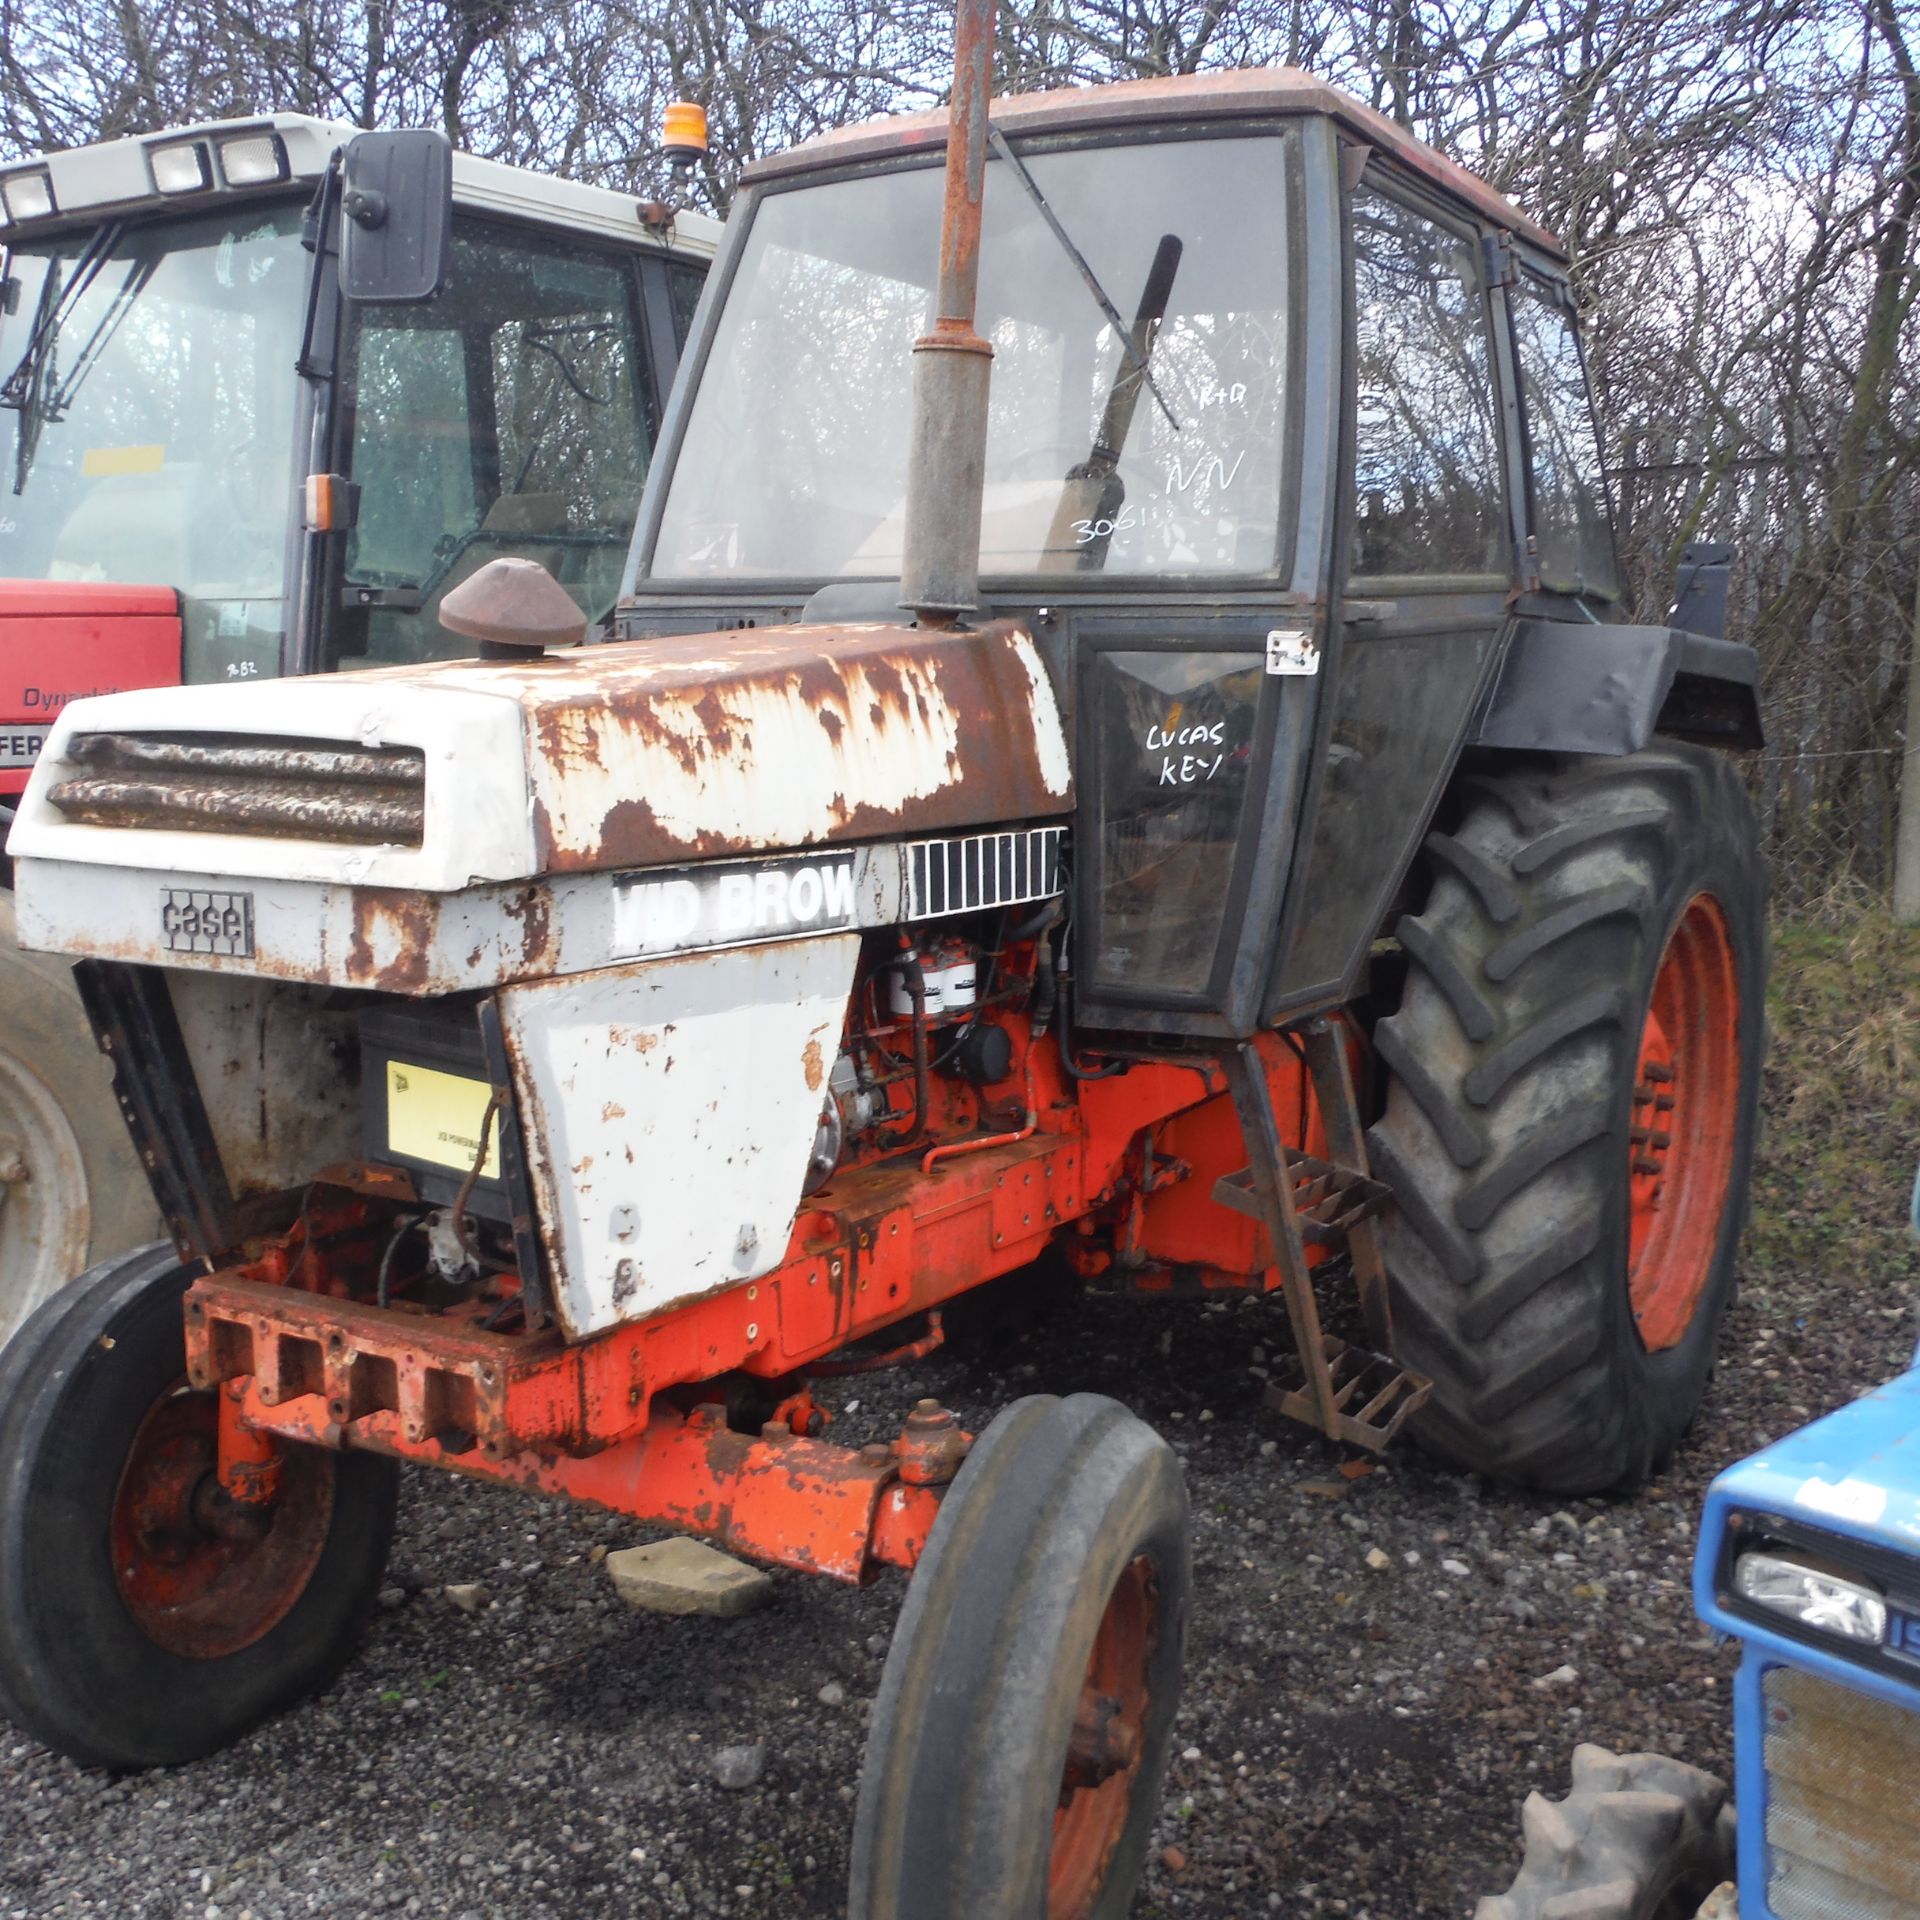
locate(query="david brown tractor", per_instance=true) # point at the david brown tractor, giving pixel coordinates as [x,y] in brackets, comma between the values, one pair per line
[1103,713]
[1809,1557]
[176,361]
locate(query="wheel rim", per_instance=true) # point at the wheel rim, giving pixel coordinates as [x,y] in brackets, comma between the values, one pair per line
[45,1221]
[1686,1100]
[194,1581]
[1104,1759]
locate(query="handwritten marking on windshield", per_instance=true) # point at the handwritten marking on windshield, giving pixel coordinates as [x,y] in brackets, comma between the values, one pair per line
[1180,479]
[1186,769]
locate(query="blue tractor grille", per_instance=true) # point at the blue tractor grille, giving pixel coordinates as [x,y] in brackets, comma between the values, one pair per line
[1842,1839]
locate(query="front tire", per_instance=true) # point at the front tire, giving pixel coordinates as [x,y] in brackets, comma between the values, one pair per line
[135,1630]
[1573,1081]
[1020,1735]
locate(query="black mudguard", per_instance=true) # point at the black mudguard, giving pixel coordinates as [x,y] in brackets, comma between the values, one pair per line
[1573,687]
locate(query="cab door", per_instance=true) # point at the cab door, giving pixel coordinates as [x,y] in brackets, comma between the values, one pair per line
[1424,574]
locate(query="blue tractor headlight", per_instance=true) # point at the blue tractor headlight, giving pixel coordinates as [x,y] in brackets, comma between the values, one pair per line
[1815,1599]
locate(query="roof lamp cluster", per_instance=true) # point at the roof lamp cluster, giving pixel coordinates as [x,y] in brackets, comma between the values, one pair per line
[256,158]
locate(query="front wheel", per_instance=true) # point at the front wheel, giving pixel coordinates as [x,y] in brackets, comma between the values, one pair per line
[1574,1073]
[141,1623]
[1020,1734]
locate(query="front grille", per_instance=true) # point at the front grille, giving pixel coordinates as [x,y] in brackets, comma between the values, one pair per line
[983,870]
[275,789]
[1842,1842]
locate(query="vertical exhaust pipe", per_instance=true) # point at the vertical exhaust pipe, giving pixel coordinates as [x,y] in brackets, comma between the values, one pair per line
[947,457]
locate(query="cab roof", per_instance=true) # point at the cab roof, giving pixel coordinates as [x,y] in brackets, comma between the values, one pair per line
[1236,94]
[115,177]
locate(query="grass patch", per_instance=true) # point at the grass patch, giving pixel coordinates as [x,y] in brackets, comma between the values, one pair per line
[1840,1106]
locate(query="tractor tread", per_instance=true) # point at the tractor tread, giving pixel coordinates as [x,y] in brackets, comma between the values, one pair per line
[1504,1131]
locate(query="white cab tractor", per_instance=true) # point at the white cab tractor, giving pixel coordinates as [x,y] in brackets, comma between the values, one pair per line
[269,390]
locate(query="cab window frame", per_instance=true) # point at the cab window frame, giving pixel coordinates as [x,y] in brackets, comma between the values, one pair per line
[1384,180]
[635,269]
[1531,279]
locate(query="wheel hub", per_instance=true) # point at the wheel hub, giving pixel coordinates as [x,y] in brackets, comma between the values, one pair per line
[1104,1755]
[1681,1130]
[197,1577]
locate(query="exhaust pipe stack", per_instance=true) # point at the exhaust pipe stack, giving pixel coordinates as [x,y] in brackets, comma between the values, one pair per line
[946,470]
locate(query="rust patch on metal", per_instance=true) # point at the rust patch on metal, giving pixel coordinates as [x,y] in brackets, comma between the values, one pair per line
[816,1066]
[533,908]
[392,942]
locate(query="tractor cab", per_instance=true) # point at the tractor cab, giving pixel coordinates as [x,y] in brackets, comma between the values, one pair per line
[176,365]
[1288,434]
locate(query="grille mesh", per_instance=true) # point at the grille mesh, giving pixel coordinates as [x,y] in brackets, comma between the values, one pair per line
[274,789]
[983,870]
[1842,1841]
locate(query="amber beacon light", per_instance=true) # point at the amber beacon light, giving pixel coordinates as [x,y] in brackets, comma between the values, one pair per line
[683,135]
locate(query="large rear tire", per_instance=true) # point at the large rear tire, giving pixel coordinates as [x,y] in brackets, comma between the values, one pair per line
[138,1626]
[1020,1735]
[72,1190]
[1574,1073]
[1640,1837]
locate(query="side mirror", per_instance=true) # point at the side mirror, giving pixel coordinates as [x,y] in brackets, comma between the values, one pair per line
[396,216]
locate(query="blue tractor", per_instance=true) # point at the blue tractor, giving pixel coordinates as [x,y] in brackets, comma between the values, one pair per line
[1809,1556]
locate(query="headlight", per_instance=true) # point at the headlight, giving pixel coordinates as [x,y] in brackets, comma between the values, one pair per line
[1821,1602]
[253,159]
[28,196]
[181,168]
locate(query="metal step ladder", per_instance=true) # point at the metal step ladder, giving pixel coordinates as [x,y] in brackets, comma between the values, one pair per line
[1357,1394]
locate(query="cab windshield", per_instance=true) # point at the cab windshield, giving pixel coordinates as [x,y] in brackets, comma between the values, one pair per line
[794,460]
[146,417]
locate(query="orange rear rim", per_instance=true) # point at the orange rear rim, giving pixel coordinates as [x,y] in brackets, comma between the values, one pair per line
[1103,1761]
[1686,1099]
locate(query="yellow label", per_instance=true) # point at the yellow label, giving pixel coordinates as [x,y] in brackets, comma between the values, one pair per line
[436,1116]
[102,463]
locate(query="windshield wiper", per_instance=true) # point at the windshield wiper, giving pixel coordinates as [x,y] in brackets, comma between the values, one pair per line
[1090,503]
[1132,348]
[24,389]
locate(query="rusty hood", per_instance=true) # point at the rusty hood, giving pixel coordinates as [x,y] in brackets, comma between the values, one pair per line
[655,751]
[642,753]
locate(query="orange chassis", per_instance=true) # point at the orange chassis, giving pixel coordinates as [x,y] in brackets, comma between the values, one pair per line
[1122,1170]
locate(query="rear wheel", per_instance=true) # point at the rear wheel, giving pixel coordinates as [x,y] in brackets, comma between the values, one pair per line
[1021,1730]
[1639,1837]
[71,1186]
[1574,1073]
[141,1623]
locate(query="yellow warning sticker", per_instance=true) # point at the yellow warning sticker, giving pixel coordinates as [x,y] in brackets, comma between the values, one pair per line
[103,463]
[436,1116]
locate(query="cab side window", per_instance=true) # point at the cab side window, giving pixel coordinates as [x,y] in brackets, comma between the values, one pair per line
[509,416]
[1567,488]
[1426,450]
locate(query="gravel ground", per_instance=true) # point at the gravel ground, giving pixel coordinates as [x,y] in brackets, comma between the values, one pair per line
[1381,1666]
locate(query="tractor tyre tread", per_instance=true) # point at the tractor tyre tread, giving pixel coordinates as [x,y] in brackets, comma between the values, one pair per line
[76,1672]
[969,1728]
[1510,1061]
[1637,1835]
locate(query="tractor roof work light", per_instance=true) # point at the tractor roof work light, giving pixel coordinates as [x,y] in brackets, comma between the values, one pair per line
[28,196]
[254,159]
[183,167]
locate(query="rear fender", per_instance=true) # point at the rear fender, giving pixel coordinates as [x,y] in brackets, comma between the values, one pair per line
[1567,688]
